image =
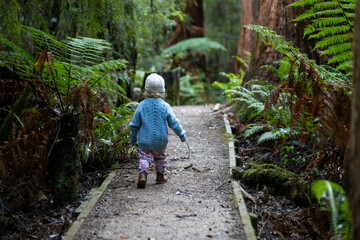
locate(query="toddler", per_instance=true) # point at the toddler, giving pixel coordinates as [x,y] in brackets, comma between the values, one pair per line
[149,131]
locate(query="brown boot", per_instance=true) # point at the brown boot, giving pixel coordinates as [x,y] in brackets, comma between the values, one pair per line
[142,180]
[161,178]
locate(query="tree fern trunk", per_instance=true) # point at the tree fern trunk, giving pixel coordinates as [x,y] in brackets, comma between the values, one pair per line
[354,165]
[64,162]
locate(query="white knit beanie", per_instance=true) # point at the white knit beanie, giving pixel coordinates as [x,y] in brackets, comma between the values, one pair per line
[155,83]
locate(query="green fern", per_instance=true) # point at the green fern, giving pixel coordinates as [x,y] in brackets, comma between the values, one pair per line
[286,48]
[280,133]
[332,21]
[255,128]
[280,68]
[112,133]
[254,98]
[204,45]
[86,51]
[244,95]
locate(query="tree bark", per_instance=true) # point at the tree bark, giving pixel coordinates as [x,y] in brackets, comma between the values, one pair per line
[277,17]
[249,15]
[354,165]
[190,29]
[193,28]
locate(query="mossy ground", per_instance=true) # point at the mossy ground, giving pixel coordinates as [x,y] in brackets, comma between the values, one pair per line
[269,175]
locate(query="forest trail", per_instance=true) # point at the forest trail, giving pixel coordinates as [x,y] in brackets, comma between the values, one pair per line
[197,202]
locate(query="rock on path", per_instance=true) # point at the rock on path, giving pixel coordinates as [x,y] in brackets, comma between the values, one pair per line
[197,202]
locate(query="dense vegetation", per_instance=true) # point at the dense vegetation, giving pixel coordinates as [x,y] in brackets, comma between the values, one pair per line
[306,116]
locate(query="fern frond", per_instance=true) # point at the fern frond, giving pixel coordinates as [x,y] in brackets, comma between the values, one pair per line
[195,44]
[346,66]
[303,3]
[342,57]
[252,129]
[274,135]
[328,31]
[110,66]
[332,40]
[86,51]
[338,49]
[46,41]
[306,15]
[332,21]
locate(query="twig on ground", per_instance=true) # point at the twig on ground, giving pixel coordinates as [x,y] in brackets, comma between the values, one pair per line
[247,195]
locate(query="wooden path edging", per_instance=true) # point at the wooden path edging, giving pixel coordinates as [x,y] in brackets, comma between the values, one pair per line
[245,218]
[85,208]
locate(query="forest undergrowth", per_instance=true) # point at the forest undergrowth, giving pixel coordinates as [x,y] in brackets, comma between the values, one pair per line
[292,142]
[282,212]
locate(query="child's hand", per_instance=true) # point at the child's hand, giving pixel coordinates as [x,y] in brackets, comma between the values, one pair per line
[183,138]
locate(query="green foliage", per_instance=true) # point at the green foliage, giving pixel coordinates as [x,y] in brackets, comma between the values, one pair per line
[289,152]
[280,133]
[112,133]
[192,91]
[279,44]
[234,81]
[10,20]
[203,44]
[15,56]
[332,22]
[333,197]
[280,68]
[154,23]
[255,128]
[253,98]
[225,32]
[69,63]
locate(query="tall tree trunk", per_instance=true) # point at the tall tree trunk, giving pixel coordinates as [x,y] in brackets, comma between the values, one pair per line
[190,29]
[249,15]
[354,166]
[277,17]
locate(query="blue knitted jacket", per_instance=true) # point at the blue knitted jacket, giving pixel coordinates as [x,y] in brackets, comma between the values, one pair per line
[148,127]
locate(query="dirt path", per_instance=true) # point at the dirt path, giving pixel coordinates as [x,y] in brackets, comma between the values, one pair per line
[196,203]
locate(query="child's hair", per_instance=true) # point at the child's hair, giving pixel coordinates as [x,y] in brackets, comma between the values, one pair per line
[147,94]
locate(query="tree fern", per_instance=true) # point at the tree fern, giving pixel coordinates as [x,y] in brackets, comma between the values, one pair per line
[204,45]
[332,21]
[15,58]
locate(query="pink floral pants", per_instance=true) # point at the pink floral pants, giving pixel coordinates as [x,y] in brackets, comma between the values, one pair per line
[146,160]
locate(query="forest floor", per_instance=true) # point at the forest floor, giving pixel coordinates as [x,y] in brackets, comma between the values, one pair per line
[197,202]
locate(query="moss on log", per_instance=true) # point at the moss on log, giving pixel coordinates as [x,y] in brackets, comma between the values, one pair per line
[266,174]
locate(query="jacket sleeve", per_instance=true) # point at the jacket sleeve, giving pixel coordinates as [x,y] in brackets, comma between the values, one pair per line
[135,126]
[174,124]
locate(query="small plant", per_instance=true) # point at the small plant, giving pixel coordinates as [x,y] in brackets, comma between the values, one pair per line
[234,81]
[332,197]
[112,134]
[289,152]
[253,98]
